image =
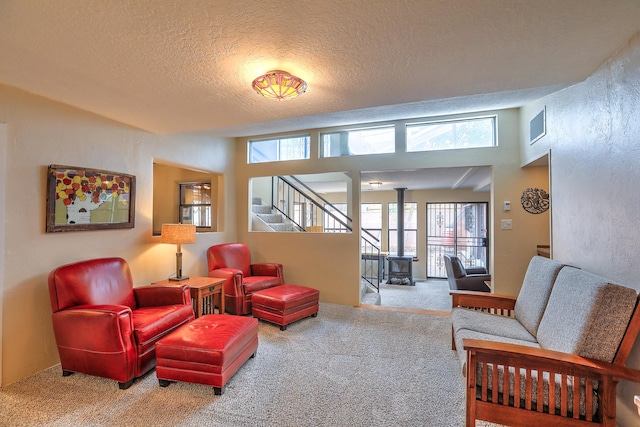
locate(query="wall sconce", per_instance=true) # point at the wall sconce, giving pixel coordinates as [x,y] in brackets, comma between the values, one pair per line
[178,234]
[375,185]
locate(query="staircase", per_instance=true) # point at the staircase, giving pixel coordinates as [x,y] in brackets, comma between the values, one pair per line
[274,221]
[367,295]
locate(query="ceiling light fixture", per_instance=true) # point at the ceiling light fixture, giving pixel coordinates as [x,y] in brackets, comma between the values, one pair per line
[279,85]
[375,185]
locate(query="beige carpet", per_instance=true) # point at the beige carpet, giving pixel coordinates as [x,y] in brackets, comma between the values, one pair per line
[426,294]
[347,367]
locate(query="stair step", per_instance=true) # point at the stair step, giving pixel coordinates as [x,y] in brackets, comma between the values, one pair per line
[271,218]
[370,298]
[282,227]
[256,201]
[261,209]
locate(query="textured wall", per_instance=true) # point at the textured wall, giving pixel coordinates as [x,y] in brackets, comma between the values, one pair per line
[593,132]
[41,132]
[511,250]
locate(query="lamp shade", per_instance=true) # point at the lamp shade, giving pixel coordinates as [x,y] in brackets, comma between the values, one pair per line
[279,85]
[178,233]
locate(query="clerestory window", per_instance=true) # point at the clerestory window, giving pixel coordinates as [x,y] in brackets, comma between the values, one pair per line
[279,149]
[355,142]
[452,134]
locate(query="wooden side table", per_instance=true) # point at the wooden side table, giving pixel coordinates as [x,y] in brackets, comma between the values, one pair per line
[202,290]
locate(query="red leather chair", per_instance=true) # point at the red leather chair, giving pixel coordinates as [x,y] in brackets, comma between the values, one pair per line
[232,261]
[104,326]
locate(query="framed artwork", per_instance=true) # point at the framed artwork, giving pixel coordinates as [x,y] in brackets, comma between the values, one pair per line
[80,199]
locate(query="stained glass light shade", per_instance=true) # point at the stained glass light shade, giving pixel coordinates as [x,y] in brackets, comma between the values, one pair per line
[279,85]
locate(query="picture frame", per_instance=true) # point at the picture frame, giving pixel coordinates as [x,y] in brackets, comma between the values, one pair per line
[82,199]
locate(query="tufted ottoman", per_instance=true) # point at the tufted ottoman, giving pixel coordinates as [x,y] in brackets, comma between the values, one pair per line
[208,350]
[285,304]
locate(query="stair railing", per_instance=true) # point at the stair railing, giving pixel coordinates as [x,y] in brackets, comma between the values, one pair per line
[372,262]
[304,211]
[291,197]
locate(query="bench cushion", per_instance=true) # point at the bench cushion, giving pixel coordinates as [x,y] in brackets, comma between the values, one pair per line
[536,289]
[586,315]
[465,333]
[507,327]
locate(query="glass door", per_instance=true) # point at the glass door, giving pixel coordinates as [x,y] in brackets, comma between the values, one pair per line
[456,229]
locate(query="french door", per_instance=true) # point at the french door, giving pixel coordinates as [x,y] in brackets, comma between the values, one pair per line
[456,229]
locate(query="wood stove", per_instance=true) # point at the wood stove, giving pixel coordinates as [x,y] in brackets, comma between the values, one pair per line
[400,265]
[400,270]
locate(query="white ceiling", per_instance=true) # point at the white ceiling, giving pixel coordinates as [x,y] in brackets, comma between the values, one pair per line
[171,66]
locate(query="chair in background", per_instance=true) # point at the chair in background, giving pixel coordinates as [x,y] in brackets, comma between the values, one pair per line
[465,279]
[107,328]
[232,262]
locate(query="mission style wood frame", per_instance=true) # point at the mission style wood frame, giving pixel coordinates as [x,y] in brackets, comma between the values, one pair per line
[75,183]
[595,378]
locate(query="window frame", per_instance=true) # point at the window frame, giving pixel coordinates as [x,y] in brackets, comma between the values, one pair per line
[187,211]
[306,148]
[394,231]
[373,127]
[453,121]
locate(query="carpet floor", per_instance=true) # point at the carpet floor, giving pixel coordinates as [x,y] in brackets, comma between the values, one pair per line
[426,295]
[347,367]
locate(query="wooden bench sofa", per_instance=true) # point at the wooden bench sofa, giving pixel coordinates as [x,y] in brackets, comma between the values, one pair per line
[567,336]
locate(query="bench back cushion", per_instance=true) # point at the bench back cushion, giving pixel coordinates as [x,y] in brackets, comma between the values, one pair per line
[534,294]
[586,315]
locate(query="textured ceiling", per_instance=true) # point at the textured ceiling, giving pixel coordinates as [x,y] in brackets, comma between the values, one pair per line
[170,66]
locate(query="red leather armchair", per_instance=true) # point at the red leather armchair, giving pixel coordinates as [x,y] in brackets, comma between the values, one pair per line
[232,261]
[104,326]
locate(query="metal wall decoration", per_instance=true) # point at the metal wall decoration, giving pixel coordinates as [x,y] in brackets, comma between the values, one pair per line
[535,200]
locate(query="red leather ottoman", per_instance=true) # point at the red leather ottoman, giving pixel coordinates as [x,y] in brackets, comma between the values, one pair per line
[285,304]
[208,350]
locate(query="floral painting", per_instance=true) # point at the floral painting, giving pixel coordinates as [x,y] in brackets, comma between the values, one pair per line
[89,199]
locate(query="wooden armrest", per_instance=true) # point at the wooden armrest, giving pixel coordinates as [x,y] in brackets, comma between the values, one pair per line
[475,299]
[522,355]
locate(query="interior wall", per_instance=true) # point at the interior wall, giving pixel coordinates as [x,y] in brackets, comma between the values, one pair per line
[42,132]
[334,265]
[3,202]
[593,132]
[166,193]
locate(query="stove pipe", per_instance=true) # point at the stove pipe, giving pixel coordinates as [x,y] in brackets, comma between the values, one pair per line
[400,216]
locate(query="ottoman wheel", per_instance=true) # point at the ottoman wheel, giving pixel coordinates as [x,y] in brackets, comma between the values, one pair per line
[164,383]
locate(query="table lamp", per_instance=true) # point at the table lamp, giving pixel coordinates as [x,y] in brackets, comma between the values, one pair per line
[178,234]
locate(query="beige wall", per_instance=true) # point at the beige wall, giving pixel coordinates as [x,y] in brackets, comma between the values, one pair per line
[166,194]
[334,266]
[41,132]
[3,168]
[593,133]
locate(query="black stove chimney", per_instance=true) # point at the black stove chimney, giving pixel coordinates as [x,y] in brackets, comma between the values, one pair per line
[400,215]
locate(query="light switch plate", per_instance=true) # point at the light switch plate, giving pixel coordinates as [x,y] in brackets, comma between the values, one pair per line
[507,224]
